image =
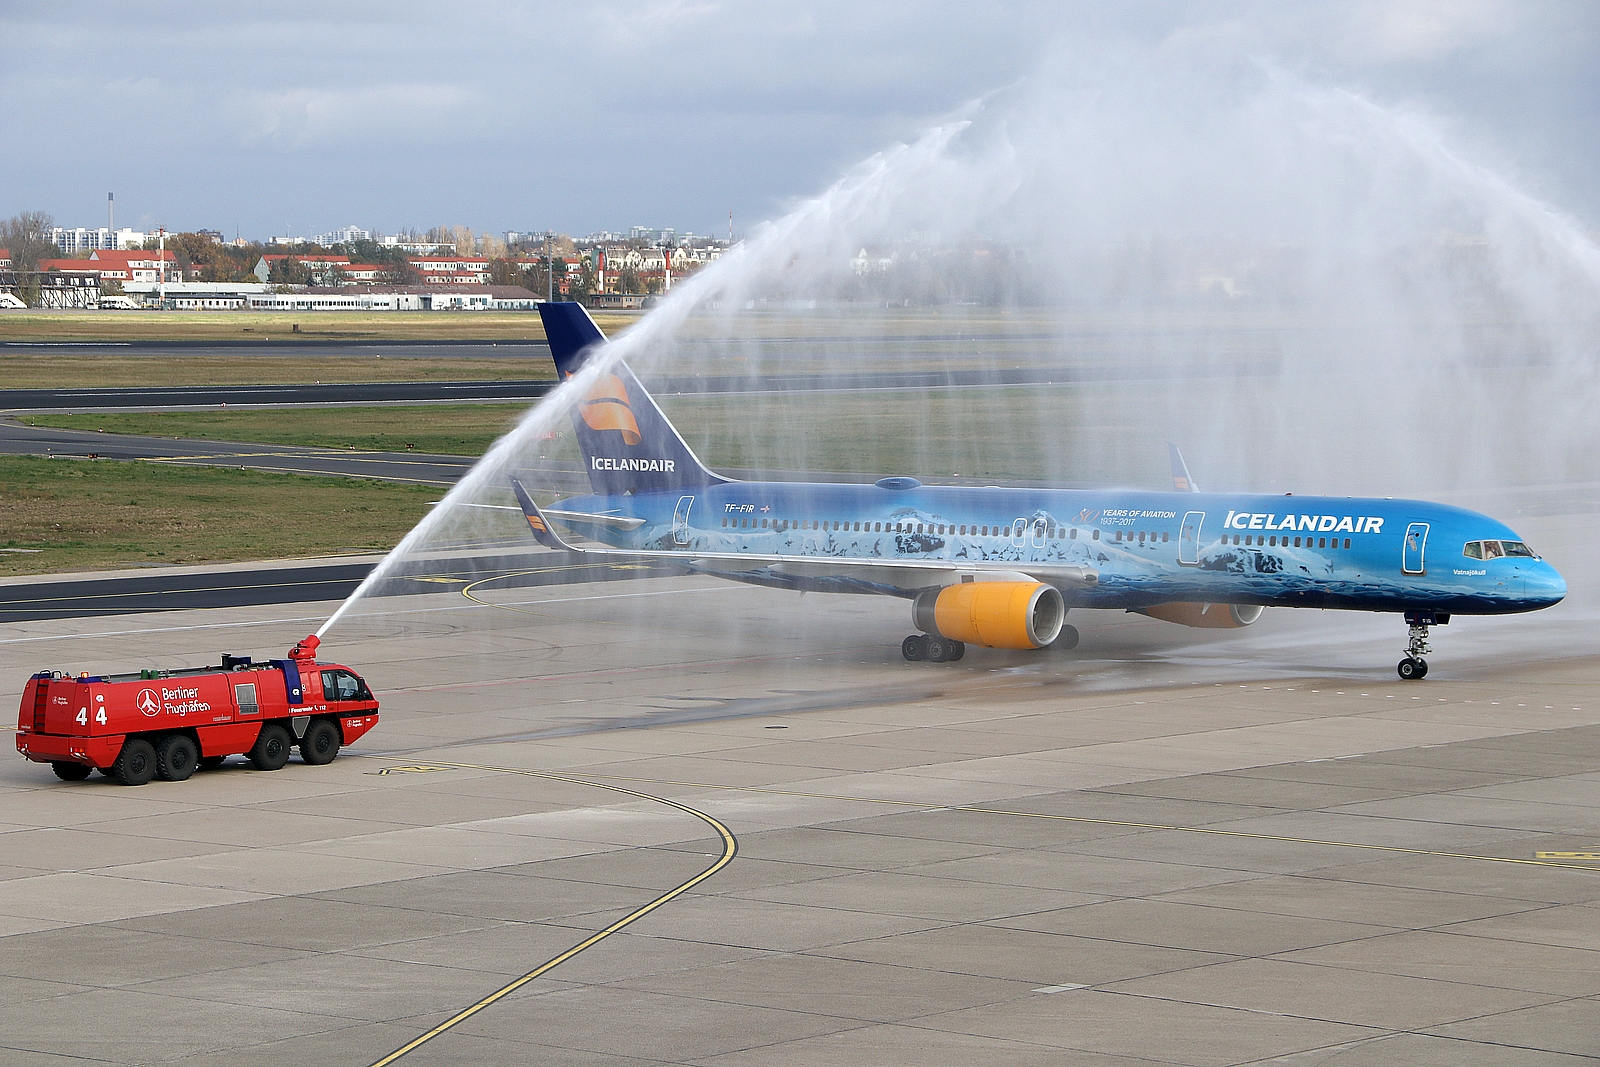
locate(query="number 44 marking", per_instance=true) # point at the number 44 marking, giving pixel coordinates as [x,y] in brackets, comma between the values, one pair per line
[99,716]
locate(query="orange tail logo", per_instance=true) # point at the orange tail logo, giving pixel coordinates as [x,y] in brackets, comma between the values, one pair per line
[606,408]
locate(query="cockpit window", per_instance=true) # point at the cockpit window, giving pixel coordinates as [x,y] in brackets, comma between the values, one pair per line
[1496,549]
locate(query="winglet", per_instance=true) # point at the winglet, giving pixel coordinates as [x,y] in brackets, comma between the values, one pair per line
[542,530]
[1180,472]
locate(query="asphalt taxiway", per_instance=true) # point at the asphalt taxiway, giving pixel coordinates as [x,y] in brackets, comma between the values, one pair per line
[1171,847]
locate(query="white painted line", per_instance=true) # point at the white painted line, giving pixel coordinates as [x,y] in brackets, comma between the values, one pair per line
[1059,988]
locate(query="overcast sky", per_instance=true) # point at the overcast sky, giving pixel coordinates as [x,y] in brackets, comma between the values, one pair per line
[601,115]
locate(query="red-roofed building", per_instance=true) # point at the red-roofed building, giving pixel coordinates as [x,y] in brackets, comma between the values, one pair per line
[451,269]
[5,258]
[136,266]
[71,266]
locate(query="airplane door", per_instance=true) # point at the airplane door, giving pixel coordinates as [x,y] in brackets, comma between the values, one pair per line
[1189,538]
[680,520]
[1412,557]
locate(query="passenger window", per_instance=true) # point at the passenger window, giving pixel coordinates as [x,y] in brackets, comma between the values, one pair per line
[1095,536]
[1347,542]
[1163,536]
[1074,533]
[1235,538]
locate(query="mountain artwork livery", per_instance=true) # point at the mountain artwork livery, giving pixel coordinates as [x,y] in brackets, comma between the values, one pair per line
[1000,567]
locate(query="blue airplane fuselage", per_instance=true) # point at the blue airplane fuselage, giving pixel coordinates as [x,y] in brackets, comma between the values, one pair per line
[1146,548]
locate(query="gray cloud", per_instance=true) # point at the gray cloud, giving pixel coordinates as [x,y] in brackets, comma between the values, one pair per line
[674,112]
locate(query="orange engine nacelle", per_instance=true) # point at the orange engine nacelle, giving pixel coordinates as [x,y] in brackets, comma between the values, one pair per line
[1210,616]
[993,614]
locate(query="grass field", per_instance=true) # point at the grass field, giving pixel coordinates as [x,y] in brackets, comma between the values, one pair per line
[269,327]
[82,515]
[1097,434]
[447,429]
[65,368]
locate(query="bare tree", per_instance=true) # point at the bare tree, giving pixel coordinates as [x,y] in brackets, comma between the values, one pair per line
[461,236]
[24,235]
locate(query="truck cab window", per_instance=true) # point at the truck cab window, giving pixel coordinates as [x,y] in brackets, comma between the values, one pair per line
[342,685]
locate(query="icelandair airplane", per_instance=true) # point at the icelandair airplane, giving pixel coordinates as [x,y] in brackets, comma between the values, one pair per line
[1000,567]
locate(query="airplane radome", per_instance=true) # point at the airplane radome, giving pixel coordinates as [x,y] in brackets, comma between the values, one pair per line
[1001,567]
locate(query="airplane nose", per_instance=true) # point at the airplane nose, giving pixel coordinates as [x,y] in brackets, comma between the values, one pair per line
[1545,585]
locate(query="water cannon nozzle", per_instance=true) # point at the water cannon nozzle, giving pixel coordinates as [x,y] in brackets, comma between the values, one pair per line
[306,649]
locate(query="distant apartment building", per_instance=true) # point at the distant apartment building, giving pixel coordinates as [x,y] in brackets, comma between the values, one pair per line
[79,241]
[344,236]
[417,248]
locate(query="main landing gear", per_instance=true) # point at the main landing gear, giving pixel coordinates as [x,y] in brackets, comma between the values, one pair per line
[936,649]
[1414,667]
[933,648]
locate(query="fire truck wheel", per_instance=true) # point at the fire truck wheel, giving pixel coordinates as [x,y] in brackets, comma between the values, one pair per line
[211,763]
[136,763]
[320,743]
[176,757]
[271,750]
[70,772]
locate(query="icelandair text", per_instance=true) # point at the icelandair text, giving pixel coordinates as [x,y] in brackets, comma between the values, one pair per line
[614,463]
[1244,520]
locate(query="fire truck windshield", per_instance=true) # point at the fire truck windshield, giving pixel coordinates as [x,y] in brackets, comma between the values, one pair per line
[342,685]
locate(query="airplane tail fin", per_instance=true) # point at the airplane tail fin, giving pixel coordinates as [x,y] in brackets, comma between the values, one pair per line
[628,444]
[1180,471]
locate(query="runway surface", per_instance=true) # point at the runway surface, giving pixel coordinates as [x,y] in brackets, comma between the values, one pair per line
[1171,847]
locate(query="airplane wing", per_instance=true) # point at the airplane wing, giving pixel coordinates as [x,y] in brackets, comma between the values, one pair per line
[844,574]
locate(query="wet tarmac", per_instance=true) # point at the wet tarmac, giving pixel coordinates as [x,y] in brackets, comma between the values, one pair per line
[1169,846]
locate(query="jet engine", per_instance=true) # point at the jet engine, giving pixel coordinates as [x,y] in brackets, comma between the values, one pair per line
[994,614]
[1210,616]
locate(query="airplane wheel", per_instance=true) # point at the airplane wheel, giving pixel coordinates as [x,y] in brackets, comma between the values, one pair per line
[1065,641]
[939,650]
[1411,669]
[1422,668]
[913,648]
[957,650]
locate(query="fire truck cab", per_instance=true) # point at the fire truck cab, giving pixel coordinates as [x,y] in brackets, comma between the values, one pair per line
[134,727]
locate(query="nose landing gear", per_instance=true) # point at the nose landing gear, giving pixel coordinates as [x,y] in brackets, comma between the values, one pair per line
[1414,667]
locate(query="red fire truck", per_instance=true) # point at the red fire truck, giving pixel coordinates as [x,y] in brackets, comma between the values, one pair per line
[133,727]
